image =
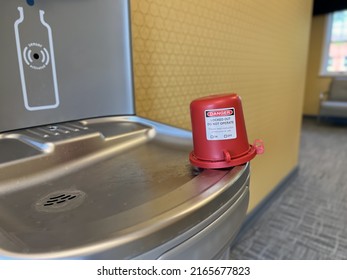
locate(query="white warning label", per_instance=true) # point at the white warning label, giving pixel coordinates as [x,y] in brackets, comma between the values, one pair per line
[220,124]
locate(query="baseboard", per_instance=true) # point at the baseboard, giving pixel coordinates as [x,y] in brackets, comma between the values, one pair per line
[259,210]
[313,117]
[327,120]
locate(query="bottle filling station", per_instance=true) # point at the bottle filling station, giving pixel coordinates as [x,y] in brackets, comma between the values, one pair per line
[81,175]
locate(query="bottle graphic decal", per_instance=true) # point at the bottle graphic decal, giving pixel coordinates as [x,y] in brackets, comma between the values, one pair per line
[36,60]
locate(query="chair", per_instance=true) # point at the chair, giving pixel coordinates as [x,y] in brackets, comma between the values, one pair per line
[333,103]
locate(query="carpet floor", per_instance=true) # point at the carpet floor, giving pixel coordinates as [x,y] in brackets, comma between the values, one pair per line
[308,219]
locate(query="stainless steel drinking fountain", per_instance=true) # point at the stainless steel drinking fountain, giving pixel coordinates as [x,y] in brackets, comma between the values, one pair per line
[83,177]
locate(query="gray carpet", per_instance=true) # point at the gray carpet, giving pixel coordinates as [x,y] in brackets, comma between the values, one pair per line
[308,220]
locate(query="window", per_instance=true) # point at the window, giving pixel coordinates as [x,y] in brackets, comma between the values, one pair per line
[335,50]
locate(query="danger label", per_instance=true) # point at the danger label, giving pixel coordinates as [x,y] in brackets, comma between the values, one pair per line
[220,124]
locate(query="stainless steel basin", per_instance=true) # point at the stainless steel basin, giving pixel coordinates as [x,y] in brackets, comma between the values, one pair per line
[113,187]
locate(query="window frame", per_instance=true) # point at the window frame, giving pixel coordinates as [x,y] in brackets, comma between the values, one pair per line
[325,55]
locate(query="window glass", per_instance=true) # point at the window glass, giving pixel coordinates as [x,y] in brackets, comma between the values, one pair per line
[335,57]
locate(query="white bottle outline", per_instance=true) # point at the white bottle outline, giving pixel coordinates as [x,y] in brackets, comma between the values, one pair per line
[21,68]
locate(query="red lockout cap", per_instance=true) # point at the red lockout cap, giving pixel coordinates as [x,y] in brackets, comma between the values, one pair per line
[219,132]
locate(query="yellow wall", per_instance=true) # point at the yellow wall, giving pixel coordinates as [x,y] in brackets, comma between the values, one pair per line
[185,49]
[315,83]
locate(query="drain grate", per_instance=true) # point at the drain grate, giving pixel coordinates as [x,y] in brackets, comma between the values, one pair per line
[60,201]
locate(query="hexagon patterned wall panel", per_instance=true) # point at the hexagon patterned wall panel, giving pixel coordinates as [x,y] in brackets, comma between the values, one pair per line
[184,49]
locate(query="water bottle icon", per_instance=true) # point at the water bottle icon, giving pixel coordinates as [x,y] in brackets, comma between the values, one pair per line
[36,61]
